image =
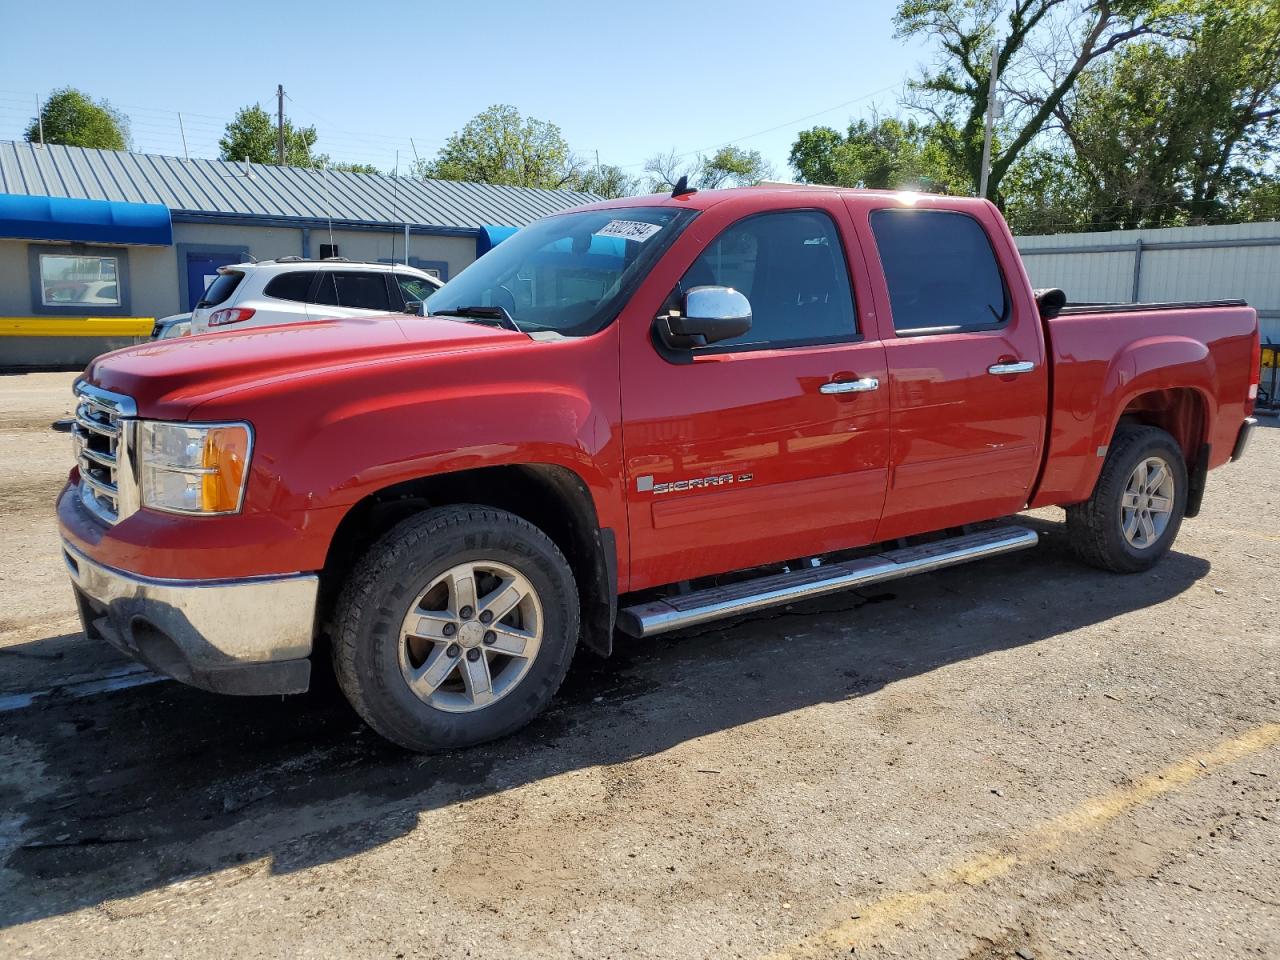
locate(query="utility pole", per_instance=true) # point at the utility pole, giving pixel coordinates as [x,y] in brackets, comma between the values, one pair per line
[40,118]
[280,124]
[992,108]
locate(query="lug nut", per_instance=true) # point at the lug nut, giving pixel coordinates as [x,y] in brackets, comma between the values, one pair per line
[453,650]
[486,616]
[449,630]
[490,636]
[466,613]
[473,655]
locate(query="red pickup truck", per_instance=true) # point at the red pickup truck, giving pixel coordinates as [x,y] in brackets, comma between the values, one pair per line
[641,414]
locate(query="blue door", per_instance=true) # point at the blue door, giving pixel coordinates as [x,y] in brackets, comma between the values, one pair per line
[202,268]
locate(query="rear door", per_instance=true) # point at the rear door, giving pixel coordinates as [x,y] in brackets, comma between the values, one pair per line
[761,448]
[968,388]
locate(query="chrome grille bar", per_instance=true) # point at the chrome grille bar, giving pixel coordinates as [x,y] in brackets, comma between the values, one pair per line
[101,445]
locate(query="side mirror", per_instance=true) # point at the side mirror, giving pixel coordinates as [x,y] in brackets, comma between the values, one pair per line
[711,314]
[1050,302]
[414,307]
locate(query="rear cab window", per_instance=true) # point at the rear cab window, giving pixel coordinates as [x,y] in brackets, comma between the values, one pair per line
[941,271]
[223,286]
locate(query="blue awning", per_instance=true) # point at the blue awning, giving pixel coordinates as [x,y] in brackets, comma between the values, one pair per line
[490,237]
[84,221]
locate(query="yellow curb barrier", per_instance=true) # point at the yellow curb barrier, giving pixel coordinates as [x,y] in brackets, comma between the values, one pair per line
[76,326]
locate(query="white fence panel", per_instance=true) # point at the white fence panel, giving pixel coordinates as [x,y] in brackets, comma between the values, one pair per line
[1178,263]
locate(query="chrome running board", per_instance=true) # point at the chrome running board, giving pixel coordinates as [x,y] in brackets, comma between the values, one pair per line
[700,606]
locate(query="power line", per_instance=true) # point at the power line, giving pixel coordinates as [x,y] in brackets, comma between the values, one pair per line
[787,123]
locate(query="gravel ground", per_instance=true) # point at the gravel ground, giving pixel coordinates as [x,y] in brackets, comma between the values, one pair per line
[1021,758]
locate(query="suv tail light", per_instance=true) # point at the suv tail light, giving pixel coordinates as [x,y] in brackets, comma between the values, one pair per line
[220,318]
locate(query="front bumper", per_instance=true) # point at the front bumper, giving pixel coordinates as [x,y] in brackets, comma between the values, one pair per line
[250,636]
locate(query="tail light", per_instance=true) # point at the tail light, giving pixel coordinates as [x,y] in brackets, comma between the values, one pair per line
[1255,372]
[220,318]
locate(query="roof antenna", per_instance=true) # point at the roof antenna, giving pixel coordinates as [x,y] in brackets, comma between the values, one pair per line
[682,187]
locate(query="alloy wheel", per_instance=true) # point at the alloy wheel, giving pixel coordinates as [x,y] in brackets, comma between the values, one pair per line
[471,636]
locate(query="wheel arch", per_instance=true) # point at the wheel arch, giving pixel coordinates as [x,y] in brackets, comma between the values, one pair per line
[551,497]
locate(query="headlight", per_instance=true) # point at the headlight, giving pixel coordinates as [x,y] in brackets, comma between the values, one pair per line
[193,468]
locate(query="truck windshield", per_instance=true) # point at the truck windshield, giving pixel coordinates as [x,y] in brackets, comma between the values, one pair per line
[569,274]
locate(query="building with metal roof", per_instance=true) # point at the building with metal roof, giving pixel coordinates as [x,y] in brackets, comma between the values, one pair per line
[153,230]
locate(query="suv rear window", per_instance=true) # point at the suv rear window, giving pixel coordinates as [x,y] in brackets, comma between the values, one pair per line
[941,272]
[290,286]
[221,289]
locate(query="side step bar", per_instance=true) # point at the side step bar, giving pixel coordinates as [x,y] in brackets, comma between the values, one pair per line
[690,609]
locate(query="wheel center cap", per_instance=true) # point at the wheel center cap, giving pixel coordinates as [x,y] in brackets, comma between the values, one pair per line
[470,634]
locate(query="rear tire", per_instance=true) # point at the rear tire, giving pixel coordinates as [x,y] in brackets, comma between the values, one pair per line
[457,627]
[1137,506]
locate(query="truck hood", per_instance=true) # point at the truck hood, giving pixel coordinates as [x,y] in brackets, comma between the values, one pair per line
[167,378]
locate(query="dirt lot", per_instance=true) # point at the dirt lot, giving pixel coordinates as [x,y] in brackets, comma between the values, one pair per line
[1024,758]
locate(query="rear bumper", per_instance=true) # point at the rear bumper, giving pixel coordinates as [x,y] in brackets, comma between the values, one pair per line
[1242,438]
[250,636]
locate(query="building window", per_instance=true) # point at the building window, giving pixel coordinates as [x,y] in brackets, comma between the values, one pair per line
[72,281]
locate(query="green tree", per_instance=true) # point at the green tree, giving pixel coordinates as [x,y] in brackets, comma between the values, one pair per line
[500,146]
[608,181]
[1181,131]
[345,167]
[1171,131]
[1046,192]
[886,153]
[252,136]
[71,118]
[1043,48]
[727,167]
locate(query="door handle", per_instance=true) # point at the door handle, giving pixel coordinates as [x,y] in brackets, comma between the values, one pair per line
[1004,369]
[850,386]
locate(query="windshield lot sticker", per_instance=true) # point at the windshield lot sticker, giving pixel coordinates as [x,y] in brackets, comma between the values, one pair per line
[636,230]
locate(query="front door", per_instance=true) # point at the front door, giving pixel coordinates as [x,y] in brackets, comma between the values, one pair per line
[968,386]
[761,448]
[202,270]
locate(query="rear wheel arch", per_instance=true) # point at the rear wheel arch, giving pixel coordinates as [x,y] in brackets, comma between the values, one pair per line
[553,498]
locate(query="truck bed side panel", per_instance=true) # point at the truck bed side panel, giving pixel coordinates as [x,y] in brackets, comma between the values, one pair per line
[1108,362]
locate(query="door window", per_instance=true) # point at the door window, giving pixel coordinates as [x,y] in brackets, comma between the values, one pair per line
[361,291]
[791,267]
[941,271]
[294,286]
[414,288]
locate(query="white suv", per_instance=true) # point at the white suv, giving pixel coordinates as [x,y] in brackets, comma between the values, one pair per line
[291,289]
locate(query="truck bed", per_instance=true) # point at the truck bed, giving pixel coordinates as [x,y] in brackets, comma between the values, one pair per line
[1109,360]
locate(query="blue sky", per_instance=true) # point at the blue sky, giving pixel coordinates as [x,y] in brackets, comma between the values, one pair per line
[627,79]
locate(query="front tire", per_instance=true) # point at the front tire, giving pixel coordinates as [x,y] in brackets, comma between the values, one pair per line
[457,627]
[1137,506]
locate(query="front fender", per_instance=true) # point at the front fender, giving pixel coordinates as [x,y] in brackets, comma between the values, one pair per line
[324,443]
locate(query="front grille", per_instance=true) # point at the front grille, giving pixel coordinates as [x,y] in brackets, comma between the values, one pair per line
[101,447]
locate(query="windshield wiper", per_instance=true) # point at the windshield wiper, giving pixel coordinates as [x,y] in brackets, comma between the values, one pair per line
[479,312]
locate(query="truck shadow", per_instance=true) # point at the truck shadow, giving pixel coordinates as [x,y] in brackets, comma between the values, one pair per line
[110,796]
